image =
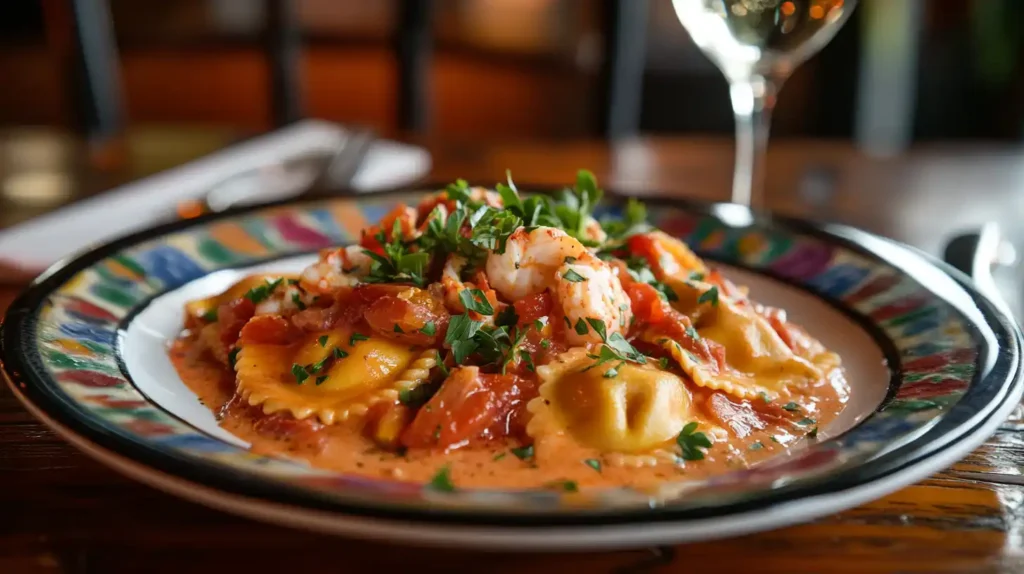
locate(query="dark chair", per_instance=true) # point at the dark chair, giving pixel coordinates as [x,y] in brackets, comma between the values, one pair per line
[98,95]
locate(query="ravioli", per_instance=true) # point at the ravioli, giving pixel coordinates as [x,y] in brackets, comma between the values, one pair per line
[349,381]
[757,359]
[195,309]
[637,410]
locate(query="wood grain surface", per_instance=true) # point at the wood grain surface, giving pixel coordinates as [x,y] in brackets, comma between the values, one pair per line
[62,512]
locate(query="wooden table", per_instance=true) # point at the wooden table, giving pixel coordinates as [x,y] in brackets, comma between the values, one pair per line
[62,512]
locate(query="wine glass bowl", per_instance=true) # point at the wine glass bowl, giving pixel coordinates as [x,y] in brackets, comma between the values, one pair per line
[757,44]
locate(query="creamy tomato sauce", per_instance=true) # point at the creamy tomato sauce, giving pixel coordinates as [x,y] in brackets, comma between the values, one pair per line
[344,448]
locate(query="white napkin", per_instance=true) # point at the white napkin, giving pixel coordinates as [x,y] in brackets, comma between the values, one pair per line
[39,242]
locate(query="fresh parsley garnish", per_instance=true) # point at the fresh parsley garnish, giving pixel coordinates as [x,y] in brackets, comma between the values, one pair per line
[337,353]
[791,407]
[593,463]
[640,270]
[499,456]
[756,446]
[418,395]
[806,422]
[260,293]
[398,264]
[442,481]
[709,296]
[297,301]
[210,316]
[692,333]
[320,380]
[429,329]
[690,442]
[663,362]
[573,277]
[398,329]
[233,356]
[475,300]
[355,338]
[581,327]
[300,374]
[764,397]
[322,340]
[566,485]
[813,433]
[523,452]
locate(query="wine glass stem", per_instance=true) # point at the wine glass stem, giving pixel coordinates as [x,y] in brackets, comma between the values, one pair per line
[753,99]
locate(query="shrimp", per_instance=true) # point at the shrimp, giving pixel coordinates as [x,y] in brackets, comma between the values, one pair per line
[452,286]
[589,288]
[530,260]
[584,286]
[337,269]
[285,300]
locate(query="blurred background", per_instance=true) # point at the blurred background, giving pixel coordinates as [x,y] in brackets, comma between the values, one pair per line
[900,71]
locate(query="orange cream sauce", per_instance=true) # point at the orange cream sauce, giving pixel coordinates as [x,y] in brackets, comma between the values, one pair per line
[344,448]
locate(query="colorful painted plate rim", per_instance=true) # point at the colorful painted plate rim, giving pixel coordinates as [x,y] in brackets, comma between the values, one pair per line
[1000,356]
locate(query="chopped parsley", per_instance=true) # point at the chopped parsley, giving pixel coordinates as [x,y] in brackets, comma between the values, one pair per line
[442,481]
[756,446]
[418,395]
[566,485]
[398,264]
[523,452]
[573,277]
[593,463]
[791,407]
[764,397]
[441,366]
[320,380]
[615,348]
[640,271]
[475,300]
[338,353]
[398,329]
[210,316]
[709,296]
[775,440]
[300,374]
[322,340]
[260,293]
[581,327]
[692,333]
[499,456]
[429,329]
[233,356]
[355,338]
[664,363]
[546,344]
[690,442]
[806,422]
[813,433]
[297,301]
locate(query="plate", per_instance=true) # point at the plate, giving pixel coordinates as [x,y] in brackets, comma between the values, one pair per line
[933,365]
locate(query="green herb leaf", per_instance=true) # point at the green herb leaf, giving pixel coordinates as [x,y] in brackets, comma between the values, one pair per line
[322,340]
[297,301]
[337,353]
[507,317]
[756,446]
[429,329]
[566,485]
[791,407]
[260,293]
[692,333]
[573,277]
[690,441]
[523,453]
[664,363]
[233,356]
[418,395]
[598,326]
[806,422]
[499,456]
[476,300]
[813,433]
[593,463]
[300,374]
[355,338]
[711,295]
[442,481]
[320,380]
[210,316]
[764,397]
[581,327]
[398,329]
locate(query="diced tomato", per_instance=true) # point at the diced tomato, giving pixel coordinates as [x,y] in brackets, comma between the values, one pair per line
[268,330]
[737,416]
[648,306]
[403,214]
[678,327]
[469,405]
[405,313]
[644,246]
[531,308]
[231,317]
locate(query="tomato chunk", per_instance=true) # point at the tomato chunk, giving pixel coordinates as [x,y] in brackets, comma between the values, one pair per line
[648,306]
[268,330]
[231,317]
[405,313]
[534,307]
[469,405]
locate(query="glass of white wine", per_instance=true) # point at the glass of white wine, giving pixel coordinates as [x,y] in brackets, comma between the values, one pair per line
[757,44]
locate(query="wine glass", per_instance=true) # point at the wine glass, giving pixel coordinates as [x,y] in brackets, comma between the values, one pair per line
[757,44]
